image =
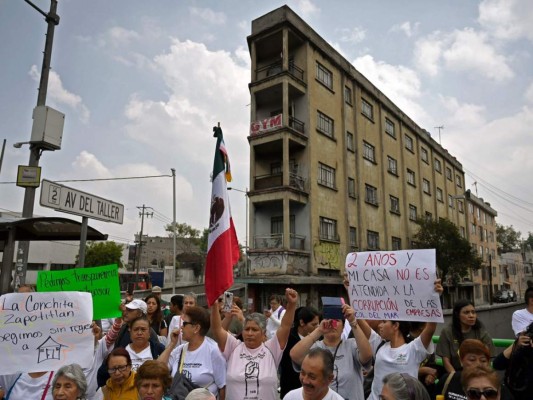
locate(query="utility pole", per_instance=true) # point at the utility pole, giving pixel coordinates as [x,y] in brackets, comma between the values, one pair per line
[440,128]
[142,214]
[490,279]
[52,19]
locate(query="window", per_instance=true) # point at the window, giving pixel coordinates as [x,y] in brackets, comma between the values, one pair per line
[480,230]
[326,175]
[491,237]
[411,177]
[349,141]
[369,152]
[450,201]
[458,181]
[409,143]
[485,235]
[412,212]
[472,229]
[429,216]
[393,166]
[348,95]
[389,128]
[351,187]
[463,232]
[396,243]
[460,206]
[471,208]
[371,195]
[367,109]
[276,225]
[439,195]
[325,124]
[324,75]
[426,186]
[328,229]
[353,238]
[438,166]
[424,155]
[394,204]
[276,168]
[449,173]
[373,240]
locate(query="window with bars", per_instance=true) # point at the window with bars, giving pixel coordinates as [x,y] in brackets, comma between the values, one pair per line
[372,239]
[325,124]
[438,166]
[276,225]
[424,155]
[324,75]
[349,141]
[394,204]
[411,177]
[412,212]
[390,128]
[351,187]
[371,195]
[366,109]
[450,201]
[369,152]
[326,175]
[409,145]
[426,187]
[328,229]
[353,238]
[348,95]
[396,243]
[449,173]
[392,165]
[439,195]
[460,206]
[458,181]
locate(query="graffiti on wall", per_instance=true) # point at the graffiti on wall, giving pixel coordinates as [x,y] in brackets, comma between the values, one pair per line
[278,263]
[327,255]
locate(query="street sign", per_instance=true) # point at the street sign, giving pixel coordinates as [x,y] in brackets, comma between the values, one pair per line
[28,176]
[72,201]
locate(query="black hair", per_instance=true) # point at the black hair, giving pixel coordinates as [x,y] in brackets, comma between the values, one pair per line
[177,300]
[305,314]
[528,295]
[456,320]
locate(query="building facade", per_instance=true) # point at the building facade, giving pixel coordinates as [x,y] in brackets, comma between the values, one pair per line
[335,166]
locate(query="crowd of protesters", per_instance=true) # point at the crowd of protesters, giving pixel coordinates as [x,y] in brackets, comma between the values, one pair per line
[179,350]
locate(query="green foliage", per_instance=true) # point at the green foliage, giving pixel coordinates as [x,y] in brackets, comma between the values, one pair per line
[529,242]
[508,238]
[183,230]
[455,256]
[203,240]
[102,253]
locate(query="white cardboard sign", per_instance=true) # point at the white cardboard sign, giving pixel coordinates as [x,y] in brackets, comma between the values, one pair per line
[394,285]
[44,331]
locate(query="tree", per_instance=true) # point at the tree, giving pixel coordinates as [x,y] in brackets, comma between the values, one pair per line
[189,237]
[508,238]
[528,244]
[102,253]
[455,256]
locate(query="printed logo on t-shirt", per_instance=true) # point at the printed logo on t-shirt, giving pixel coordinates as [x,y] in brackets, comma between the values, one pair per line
[401,359]
[251,380]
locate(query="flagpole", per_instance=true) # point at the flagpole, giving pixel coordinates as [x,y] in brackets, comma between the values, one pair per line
[174,230]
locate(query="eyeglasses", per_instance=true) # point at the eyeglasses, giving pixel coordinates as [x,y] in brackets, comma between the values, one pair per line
[120,368]
[475,394]
[185,323]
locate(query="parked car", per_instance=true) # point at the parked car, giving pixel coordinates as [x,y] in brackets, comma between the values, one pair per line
[504,296]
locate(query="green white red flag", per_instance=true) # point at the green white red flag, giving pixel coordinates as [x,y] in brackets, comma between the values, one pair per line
[222,244]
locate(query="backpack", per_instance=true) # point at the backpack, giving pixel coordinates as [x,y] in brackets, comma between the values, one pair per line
[181,385]
[517,373]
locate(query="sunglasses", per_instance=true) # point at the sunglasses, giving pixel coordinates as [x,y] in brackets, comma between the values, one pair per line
[475,394]
[185,323]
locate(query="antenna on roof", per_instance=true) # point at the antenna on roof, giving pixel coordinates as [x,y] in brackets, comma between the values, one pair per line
[440,128]
[475,185]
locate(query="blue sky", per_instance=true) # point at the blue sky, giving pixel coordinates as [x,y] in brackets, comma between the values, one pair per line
[142,84]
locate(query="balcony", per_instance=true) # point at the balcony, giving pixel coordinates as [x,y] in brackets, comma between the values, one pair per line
[276,68]
[275,241]
[274,123]
[276,180]
[297,125]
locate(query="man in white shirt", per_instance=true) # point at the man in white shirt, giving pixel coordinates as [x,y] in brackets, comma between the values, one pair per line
[524,317]
[274,315]
[316,375]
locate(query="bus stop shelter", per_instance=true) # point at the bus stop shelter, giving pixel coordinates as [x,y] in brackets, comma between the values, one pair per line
[41,228]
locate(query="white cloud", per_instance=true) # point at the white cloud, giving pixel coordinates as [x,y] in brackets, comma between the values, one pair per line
[507,19]
[464,115]
[208,15]
[119,36]
[306,8]
[528,95]
[354,35]
[398,83]
[58,94]
[462,50]
[407,28]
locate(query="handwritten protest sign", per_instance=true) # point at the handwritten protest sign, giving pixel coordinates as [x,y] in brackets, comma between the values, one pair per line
[44,331]
[101,282]
[395,285]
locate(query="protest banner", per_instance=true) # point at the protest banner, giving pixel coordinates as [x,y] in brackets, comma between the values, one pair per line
[44,331]
[394,285]
[101,282]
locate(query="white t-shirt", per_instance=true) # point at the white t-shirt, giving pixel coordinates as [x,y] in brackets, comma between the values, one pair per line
[138,359]
[405,359]
[204,366]
[27,387]
[252,373]
[297,394]
[274,322]
[521,320]
[175,323]
[100,353]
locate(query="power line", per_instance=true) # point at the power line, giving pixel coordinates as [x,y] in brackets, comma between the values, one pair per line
[104,179]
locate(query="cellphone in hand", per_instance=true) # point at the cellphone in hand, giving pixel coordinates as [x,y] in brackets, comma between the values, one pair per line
[228,302]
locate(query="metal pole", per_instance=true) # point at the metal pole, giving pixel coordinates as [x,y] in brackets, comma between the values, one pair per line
[83,240]
[174,230]
[490,279]
[7,262]
[140,248]
[52,19]
[2,154]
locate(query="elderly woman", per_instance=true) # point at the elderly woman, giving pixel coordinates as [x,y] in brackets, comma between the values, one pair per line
[351,356]
[199,359]
[121,385]
[465,325]
[398,386]
[481,383]
[69,383]
[253,363]
[152,381]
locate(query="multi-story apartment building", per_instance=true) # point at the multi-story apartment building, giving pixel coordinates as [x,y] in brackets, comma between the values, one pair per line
[480,219]
[335,165]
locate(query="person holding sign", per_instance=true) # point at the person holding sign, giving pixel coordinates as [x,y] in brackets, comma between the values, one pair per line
[396,353]
[351,356]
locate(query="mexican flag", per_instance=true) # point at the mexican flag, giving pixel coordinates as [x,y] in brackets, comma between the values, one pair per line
[222,245]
